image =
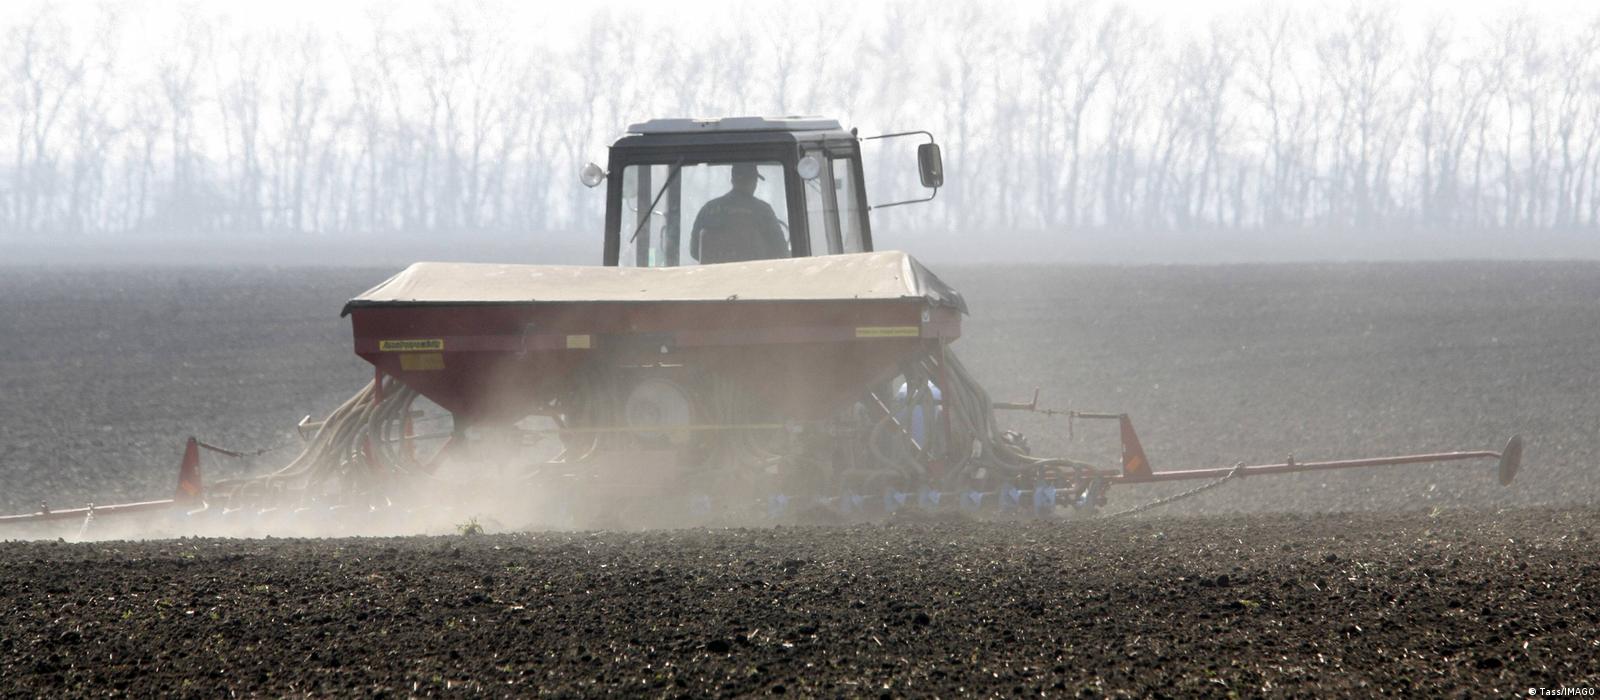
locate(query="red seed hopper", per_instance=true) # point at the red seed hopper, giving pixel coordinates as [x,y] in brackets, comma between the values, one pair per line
[798,338]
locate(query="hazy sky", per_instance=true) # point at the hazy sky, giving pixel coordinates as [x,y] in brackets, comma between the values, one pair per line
[554,20]
[559,25]
[149,29]
[330,10]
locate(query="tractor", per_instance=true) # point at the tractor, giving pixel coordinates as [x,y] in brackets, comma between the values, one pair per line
[743,352]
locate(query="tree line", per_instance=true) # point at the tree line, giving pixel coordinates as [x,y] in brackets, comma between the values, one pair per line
[1073,115]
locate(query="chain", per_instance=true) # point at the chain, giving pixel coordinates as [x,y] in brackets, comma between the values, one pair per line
[1238,469]
[88,519]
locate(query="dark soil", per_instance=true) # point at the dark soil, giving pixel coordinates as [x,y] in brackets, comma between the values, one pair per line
[1468,603]
[1428,579]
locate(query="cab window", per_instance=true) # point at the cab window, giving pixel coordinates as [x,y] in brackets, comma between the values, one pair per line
[822,215]
[703,213]
[850,209]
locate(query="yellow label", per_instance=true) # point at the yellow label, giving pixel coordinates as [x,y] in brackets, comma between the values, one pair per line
[422,362]
[410,345]
[579,342]
[887,331]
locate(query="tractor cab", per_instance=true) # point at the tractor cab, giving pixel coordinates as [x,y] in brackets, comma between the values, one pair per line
[697,191]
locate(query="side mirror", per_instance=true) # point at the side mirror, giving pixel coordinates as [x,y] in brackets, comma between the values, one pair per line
[930,165]
[593,175]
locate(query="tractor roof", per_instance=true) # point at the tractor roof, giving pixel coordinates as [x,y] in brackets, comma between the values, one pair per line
[732,131]
[682,125]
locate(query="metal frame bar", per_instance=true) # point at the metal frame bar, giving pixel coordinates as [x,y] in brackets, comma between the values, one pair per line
[1291,466]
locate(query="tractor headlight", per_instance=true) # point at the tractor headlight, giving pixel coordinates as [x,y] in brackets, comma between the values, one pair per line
[592,175]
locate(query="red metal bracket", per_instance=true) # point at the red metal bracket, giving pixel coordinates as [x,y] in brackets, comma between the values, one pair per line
[190,488]
[1510,460]
[1134,464]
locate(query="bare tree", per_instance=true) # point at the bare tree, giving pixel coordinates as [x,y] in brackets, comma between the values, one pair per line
[1576,73]
[47,72]
[1272,65]
[971,40]
[239,90]
[1070,114]
[1129,101]
[1361,60]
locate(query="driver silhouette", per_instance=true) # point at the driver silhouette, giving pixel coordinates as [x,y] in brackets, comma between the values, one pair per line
[738,225]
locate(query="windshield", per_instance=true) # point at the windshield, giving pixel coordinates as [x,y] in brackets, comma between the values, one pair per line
[703,213]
